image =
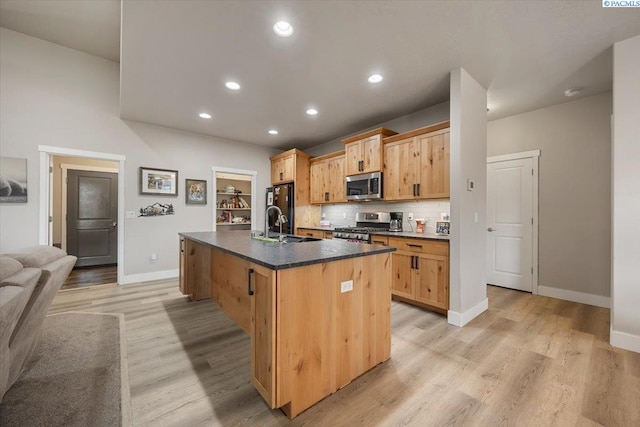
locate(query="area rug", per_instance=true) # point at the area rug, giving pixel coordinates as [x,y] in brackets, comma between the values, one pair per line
[78,376]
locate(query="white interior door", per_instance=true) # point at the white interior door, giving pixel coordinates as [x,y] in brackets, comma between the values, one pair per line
[510,224]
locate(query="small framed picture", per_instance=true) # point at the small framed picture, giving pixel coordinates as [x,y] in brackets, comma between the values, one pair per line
[442,227]
[158,181]
[195,191]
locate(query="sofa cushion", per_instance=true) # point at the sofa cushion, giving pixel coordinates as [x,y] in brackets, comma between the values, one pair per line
[8,267]
[38,256]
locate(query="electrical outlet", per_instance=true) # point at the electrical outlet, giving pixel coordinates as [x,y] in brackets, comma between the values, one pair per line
[324,215]
[154,258]
[410,216]
[346,286]
[344,215]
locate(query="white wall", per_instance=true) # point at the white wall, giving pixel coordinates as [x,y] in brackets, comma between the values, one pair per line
[52,95]
[574,188]
[468,284]
[625,313]
[421,118]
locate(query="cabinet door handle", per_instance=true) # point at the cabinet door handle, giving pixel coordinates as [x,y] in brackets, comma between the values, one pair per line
[418,189]
[413,245]
[417,263]
[326,197]
[414,189]
[249,274]
[281,176]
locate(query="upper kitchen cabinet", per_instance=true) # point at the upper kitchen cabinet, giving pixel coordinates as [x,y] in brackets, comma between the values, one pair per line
[327,178]
[416,164]
[363,152]
[285,166]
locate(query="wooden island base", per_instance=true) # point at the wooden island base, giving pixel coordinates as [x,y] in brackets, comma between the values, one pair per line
[308,339]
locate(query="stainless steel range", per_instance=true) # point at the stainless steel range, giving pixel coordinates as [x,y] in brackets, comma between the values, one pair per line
[366,224]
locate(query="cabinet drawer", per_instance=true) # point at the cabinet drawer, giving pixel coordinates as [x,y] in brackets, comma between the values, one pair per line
[308,232]
[424,246]
[380,240]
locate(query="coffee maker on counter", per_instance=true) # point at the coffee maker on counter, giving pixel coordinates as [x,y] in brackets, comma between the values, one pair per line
[396,221]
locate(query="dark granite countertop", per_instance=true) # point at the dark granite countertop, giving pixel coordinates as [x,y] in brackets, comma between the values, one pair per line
[314,227]
[280,256]
[412,234]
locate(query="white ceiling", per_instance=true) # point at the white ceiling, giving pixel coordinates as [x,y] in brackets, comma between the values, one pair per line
[176,56]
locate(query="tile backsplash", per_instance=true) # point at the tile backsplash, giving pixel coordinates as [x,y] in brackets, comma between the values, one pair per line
[429,210]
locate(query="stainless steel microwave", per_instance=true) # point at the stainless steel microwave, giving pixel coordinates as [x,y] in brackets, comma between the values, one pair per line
[367,186]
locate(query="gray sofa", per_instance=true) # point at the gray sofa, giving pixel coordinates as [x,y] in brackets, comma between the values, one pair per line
[29,280]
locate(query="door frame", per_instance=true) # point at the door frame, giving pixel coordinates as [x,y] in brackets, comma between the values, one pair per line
[534,155]
[46,152]
[63,211]
[254,175]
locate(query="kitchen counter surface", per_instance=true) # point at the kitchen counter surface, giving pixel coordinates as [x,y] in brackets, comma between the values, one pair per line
[311,227]
[412,234]
[280,256]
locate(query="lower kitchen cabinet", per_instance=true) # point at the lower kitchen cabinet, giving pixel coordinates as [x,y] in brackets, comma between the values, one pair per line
[421,272]
[312,232]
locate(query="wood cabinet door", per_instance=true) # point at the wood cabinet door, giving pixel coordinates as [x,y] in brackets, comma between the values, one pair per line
[402,275]
[400,170]
[372,154]
[434,165]
[336,184]
[288,168]
[432,281]
[318,173]
[353,156]
[276,169]
[262,282]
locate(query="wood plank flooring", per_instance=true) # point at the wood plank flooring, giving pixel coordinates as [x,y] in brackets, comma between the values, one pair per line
[527,361]
[90,276]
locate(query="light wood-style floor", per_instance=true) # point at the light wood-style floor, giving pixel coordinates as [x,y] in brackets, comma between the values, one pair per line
[527,361]
[81,277]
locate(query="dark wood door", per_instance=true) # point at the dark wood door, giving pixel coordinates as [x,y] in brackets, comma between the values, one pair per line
[92,217]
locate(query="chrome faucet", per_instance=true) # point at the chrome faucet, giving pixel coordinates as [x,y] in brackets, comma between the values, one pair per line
[281,220]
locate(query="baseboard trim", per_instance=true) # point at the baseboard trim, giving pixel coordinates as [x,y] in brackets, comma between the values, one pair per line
[145,277]
[624,340]
[461,319]
[581,297]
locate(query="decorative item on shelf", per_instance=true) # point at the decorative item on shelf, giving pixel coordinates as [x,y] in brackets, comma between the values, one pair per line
[13,180]
[157,209]
[195,191]
[158,181]
[229,188]
[442,227]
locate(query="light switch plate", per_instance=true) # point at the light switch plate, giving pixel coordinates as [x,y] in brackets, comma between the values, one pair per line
[346,286]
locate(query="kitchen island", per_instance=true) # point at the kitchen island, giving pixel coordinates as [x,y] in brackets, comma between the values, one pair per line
[317,312]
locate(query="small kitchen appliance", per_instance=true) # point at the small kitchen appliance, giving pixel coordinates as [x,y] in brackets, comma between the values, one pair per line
[396,221]
[367,223]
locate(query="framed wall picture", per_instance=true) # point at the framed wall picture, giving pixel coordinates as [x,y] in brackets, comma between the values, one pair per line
[13,180]
[158,181]
[195,191]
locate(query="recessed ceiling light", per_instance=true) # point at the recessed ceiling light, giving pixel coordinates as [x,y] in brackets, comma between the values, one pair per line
[375,78]
[572,92]
[283,28]
[312,111]
[232,85]
[205,115]
[273,132]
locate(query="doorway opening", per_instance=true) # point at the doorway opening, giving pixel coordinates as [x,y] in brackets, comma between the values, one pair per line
[234,192]
[82,211]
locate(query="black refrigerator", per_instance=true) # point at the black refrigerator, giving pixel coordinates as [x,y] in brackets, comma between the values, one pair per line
[282,197]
